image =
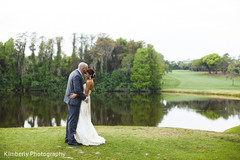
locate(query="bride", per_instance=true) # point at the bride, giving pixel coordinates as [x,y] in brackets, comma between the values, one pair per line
[85,132]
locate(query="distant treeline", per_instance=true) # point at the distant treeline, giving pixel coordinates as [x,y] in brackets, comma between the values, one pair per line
[121,65]
[212,63]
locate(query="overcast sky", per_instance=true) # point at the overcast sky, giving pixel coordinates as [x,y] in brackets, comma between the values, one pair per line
[179,29]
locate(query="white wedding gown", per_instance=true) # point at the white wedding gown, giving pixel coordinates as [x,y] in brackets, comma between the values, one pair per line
[85,132]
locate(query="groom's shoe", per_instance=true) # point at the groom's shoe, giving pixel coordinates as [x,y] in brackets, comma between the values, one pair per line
[75,144]
[66,140]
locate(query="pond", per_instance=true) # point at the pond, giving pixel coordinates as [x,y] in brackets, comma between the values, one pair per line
[133,109]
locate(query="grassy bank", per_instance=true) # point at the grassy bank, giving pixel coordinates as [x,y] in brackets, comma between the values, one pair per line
[124,143]
[234,130]
[200,83]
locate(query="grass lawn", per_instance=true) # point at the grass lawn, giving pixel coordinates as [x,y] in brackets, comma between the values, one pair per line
[124,142]
[200,82]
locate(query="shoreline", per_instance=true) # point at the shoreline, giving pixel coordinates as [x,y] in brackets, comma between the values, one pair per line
[225,94]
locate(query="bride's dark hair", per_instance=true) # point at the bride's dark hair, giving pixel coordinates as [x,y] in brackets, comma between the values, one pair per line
[92,73]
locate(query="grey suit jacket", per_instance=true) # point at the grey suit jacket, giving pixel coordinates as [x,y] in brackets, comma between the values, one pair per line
[75,85]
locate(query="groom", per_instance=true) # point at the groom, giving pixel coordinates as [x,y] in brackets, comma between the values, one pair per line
[74,85]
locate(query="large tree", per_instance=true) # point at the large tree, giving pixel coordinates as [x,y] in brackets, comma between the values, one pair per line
[32,57]
[2,65]
[20,45]
[141,70]
[74,60]
[225,61]
[49,53]
[58,57]
[212,62]
[146,72]
[197,65]
[83,39]
[10,69]
[234,69]
[102,52]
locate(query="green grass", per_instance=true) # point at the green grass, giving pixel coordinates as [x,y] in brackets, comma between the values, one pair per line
[123,142]
[234,130]
[200,82]
[173,97]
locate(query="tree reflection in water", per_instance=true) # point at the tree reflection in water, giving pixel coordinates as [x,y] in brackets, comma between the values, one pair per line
[127,109]
[139,109]
[212,108]
[16,108]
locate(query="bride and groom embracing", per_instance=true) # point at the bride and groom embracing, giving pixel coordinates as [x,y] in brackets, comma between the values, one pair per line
[79,129]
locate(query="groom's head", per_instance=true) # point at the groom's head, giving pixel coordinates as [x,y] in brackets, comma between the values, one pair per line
[83,67]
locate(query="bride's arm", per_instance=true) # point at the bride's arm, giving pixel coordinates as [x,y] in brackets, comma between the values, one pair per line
[73,95]
[88,86]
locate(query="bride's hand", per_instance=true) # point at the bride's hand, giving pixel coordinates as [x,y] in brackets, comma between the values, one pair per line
[73,95]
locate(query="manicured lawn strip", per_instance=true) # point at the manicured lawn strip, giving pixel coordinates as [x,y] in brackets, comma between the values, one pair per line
[200,83]
[173,97]
[125,142]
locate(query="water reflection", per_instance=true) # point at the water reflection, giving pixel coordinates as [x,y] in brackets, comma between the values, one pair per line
[212,108]
[48,109]
[31,110]
[187,118]
[127,109]
[147,110]
[207,114]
